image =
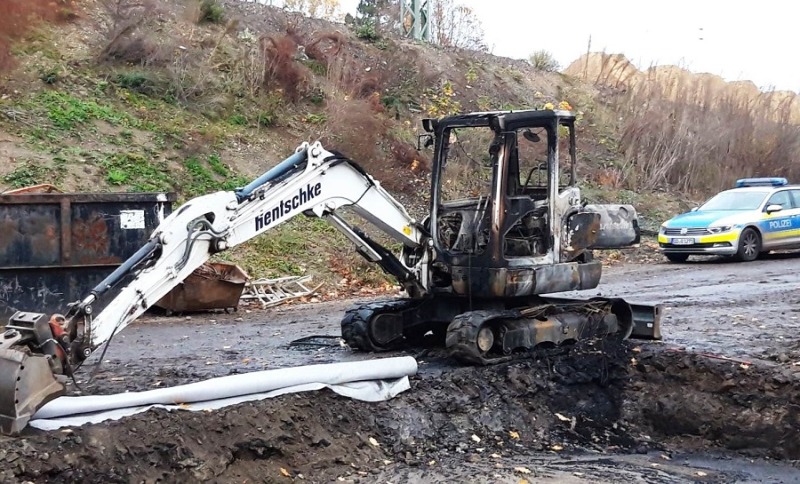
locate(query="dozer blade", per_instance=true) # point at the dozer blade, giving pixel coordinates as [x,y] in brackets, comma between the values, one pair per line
[646,317]
[26,384]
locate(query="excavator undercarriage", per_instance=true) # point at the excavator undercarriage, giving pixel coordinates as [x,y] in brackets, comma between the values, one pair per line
[485,271]
[489,333]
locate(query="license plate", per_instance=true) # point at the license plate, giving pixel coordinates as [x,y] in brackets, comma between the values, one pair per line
[683,241]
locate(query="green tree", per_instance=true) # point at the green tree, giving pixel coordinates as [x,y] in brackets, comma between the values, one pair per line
[371,12]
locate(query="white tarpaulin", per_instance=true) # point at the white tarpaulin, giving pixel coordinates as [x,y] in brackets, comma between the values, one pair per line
[369,380]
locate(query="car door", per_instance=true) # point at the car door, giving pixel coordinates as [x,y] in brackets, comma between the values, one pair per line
[793,234]
[777,226]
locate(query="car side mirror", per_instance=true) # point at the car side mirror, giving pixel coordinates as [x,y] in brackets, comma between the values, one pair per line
[774,208]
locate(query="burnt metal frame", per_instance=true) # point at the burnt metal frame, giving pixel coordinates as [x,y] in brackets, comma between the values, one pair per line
[502,122]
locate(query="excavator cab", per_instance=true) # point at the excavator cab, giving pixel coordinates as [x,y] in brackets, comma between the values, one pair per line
[506,216]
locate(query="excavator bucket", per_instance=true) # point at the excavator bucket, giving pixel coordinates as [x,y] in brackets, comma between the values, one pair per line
[26,383]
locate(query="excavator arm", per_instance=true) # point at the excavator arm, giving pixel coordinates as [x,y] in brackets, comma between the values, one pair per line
[38,354]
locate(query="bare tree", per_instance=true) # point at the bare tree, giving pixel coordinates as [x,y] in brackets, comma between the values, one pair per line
[325,9]
[455,25]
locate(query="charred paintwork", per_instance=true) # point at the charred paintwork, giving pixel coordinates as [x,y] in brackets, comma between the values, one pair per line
[54,245]
[509,282]
[475,254]
[618,226]
[583,229]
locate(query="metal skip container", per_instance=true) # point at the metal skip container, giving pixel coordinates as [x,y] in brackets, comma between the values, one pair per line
[214,285]
[56,246]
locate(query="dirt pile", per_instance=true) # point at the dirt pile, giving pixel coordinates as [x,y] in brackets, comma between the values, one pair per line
[751,408]
[616,400]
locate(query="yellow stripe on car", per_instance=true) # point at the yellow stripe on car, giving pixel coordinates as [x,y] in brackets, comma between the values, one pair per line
[726,237]
[782,234]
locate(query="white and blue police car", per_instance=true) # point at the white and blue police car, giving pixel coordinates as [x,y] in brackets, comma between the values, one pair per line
[758,215]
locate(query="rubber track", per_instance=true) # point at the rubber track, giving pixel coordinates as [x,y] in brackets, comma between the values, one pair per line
[355,324]
[462,335]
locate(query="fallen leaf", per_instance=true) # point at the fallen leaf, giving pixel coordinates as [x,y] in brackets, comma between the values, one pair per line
[285,472]
[495,456]
[432,463]
[701,473]
[513,435]
[523,481]
[374,442]
[522,470]
[475,438]
[557,447]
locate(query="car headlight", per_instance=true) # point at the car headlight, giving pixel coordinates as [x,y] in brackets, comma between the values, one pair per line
[720,229]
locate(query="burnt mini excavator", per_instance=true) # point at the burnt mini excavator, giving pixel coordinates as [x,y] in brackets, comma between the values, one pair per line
[506,230]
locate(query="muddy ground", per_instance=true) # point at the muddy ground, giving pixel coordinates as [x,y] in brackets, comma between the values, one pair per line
[716,401]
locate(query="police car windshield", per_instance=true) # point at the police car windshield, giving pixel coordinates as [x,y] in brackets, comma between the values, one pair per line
[735,201]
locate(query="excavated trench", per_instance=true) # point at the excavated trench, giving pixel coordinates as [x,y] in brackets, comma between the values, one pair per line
[633,414]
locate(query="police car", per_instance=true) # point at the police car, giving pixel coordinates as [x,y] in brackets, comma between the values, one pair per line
[759,215]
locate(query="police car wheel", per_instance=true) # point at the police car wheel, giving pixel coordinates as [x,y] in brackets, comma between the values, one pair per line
[677,257]
[749,245]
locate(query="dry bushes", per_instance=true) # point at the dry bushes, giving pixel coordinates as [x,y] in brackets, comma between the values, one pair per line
[355,128]
[346,76]
[698,142]
[18,17]
[325,47]
[281,68]
[124,40]
[692,132]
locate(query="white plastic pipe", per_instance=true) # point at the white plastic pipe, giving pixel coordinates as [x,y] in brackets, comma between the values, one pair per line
[350,379]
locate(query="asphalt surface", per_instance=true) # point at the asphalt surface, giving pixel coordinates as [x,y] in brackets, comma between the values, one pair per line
[743,310]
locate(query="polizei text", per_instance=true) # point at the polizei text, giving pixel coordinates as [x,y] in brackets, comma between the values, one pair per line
[288,205]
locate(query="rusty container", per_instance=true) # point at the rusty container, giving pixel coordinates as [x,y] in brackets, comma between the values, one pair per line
[55,247]
[214,285]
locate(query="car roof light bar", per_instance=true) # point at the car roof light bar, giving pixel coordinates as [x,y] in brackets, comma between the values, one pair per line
[761,182]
